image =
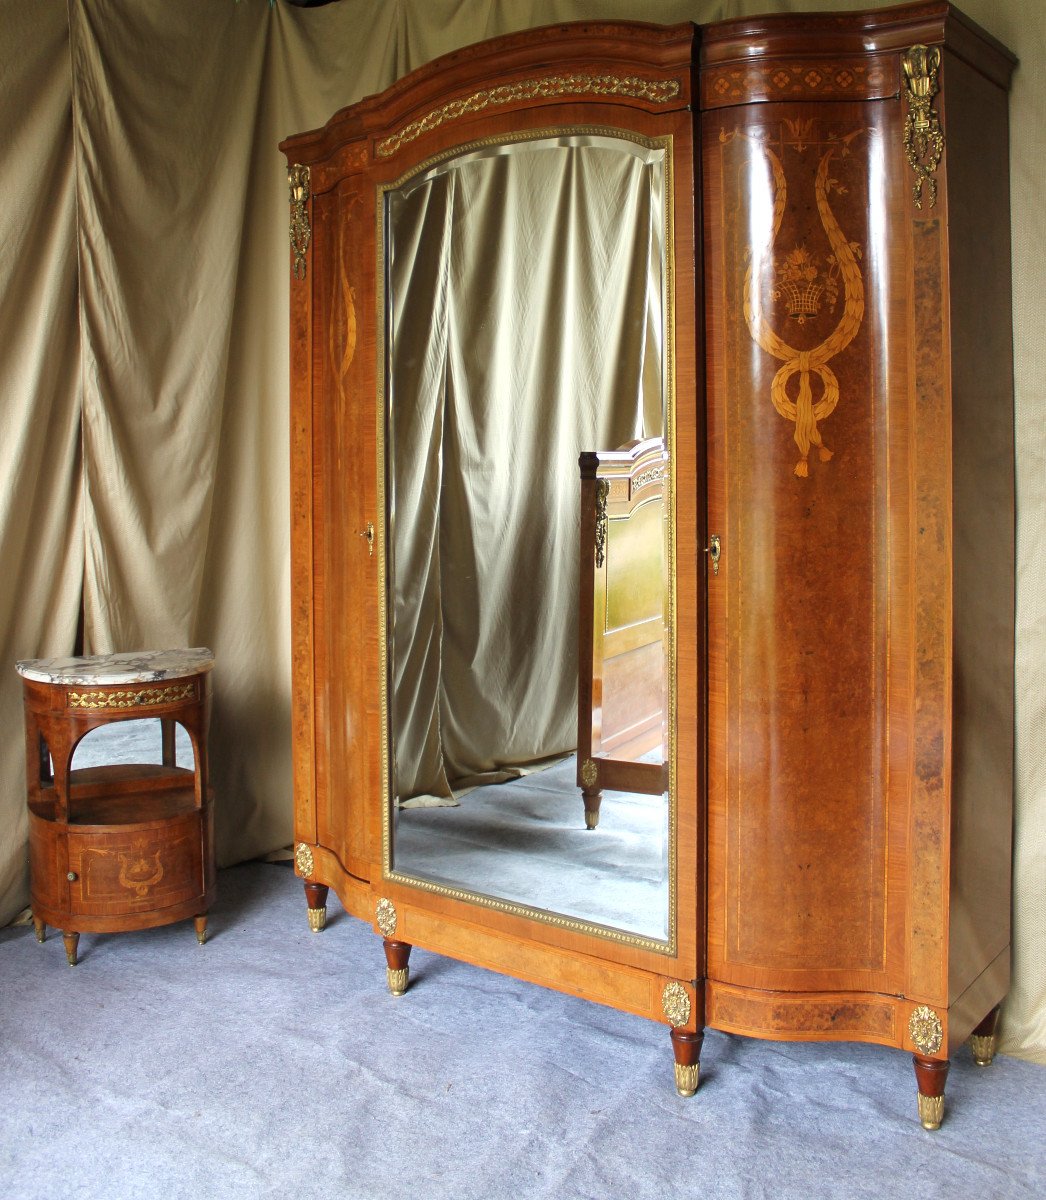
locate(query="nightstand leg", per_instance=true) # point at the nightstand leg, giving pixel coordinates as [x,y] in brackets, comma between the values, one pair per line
[40,928]
[592,801]
[200,923]
[396,956]
[686,1046]
[982,1040]
[316,898]
[930,1074]
[71,941]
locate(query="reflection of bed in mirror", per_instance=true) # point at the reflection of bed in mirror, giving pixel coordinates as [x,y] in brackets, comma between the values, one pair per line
[621,623]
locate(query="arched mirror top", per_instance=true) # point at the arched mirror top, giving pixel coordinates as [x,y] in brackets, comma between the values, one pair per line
[505,85]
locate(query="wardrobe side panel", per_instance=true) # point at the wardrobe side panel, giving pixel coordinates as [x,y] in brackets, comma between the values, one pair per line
[975,121]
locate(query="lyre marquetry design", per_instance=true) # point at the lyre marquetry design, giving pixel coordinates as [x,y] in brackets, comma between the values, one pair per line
[804,286]
[139,871]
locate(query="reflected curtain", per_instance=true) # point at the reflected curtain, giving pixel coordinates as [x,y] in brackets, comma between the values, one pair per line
[526,325]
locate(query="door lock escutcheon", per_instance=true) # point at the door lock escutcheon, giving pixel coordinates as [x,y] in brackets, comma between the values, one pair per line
[713,550]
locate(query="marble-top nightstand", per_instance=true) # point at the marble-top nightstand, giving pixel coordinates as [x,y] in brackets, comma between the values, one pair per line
[128,845]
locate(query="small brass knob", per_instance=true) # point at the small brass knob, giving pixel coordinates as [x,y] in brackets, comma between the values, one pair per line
[71,876]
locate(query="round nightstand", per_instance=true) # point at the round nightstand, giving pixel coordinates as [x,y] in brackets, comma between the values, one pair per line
[122,846]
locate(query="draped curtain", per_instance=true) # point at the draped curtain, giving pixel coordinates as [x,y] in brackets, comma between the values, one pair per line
[143,359]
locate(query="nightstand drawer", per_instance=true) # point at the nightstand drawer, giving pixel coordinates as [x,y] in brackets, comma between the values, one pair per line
[136,869]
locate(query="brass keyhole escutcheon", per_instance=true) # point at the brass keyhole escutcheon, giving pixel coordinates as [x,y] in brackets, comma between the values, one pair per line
[368,533]
[713,552]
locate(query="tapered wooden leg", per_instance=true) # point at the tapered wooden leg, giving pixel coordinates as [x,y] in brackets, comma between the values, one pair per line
[40,928]
[396,956]
[200,923]
[71,942]
[982,1040]
[686,1046]
[930,1075]
[316,898]
[592,801]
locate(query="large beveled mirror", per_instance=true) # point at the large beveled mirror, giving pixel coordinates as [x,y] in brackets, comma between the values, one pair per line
[526,445]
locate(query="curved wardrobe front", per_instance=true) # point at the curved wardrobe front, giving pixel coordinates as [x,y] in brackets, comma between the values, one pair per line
[778,249]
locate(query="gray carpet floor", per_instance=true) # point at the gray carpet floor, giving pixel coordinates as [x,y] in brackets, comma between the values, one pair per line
[273,1062]
[525,840]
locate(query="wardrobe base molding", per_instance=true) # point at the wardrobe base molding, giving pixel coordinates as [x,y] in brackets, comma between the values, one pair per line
[851,1016]
[805,1016]
[617,985]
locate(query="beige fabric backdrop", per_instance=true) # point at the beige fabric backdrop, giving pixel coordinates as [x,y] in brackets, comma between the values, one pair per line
[138,140]
[41,530]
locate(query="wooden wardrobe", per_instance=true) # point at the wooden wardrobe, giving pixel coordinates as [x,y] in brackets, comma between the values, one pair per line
[823,201]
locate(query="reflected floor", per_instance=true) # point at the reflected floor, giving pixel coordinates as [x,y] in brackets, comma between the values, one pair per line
[525,841]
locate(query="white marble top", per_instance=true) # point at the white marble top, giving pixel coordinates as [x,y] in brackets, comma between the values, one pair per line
[102,670]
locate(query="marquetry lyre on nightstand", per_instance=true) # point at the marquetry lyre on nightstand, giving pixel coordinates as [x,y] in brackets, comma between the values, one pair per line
[122,846]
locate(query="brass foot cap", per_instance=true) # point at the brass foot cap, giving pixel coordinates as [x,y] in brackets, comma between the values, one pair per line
[41,936]
[983,1050]
[591,819]
[201,936]
[686,1078]
[398,980]
[931,1110]
[318,919]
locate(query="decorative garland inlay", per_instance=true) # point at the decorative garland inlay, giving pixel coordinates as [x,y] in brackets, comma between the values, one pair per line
[167,695]
[655,90]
